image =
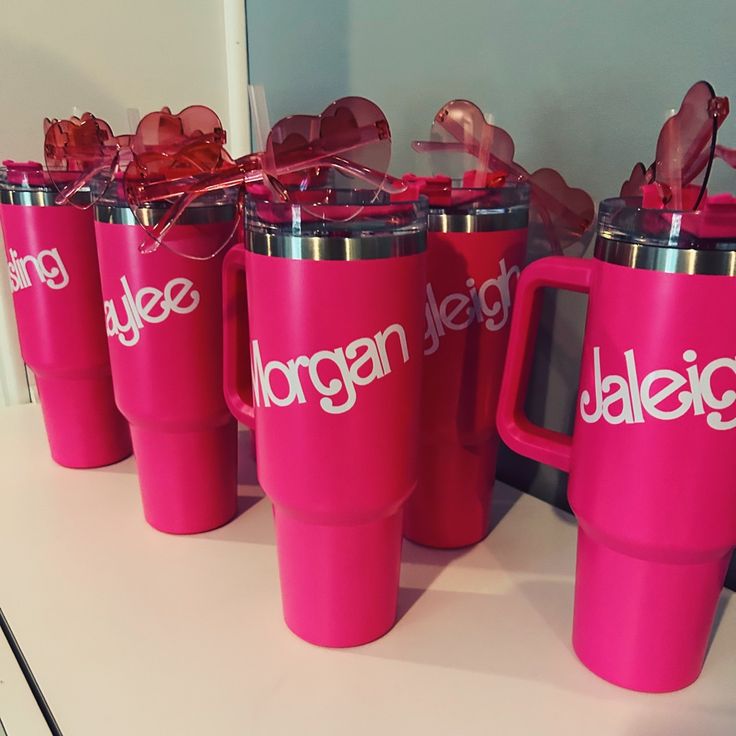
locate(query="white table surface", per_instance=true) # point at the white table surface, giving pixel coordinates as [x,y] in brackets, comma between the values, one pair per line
[132,632]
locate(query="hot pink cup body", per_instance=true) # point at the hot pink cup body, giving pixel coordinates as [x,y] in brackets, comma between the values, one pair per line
[652,461]
[164,326]
[336,354]
[54,279]
[471,278]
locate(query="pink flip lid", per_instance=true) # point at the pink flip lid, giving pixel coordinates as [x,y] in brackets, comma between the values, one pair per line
[25,173]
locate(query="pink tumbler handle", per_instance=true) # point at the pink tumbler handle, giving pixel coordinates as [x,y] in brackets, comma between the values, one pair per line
[236,350]
[520,434]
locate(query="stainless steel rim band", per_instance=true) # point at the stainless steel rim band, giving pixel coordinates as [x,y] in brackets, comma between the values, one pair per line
[149,216]
[478,222]
[29,197]
[666,260]
[315,248]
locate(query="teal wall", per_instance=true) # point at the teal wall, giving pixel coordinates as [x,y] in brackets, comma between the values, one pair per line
[583,85]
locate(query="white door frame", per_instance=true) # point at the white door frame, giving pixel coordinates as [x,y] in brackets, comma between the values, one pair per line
[13,381]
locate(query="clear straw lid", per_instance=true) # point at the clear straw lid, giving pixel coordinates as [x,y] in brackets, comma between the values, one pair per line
[454,206]
[712,227]
[335,224]
[111,205]
[26,183]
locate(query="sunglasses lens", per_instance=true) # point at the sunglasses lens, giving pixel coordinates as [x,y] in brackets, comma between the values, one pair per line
[565,212]
[164,130]
[292,159]
[447,156]
[54,146]
[356,131]
[158,185]
[466,138]
[198,120]
[347,146]
[637,179]
[686,144]
[81,159]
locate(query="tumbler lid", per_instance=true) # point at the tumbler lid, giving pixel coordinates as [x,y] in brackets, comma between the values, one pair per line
[334,224]
[26,183]
[695,242]
[112,207]
[456,207]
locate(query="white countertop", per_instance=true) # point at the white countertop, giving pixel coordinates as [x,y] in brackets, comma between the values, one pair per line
[132,632]
[19,713]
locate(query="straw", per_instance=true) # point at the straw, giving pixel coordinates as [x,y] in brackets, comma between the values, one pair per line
[259,115]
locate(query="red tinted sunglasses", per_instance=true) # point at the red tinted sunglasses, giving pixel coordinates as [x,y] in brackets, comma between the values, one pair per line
[460,128]
[349,140]
[83,156]
[686,147]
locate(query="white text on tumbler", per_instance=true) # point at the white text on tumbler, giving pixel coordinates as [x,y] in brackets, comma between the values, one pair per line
[360,363]
[663,394]
[148,305]
[458,311]
[47,265]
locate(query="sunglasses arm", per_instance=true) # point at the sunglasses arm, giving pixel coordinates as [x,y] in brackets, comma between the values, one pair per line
[728,155]
[140,192]
[429,146]
[68,192]
[384,181]
[473,149]
[168,221]
[247,169]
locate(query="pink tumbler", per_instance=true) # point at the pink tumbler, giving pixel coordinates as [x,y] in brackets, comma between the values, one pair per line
[164,328]
[335,320]
[476,243]
[652,459]
[54,279]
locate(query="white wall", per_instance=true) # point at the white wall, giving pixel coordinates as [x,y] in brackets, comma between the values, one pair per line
[106,57]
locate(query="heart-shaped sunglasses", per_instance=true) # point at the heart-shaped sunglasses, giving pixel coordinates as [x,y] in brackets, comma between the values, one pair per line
[349,140]
[460,128]
[686,147]
[83,156]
